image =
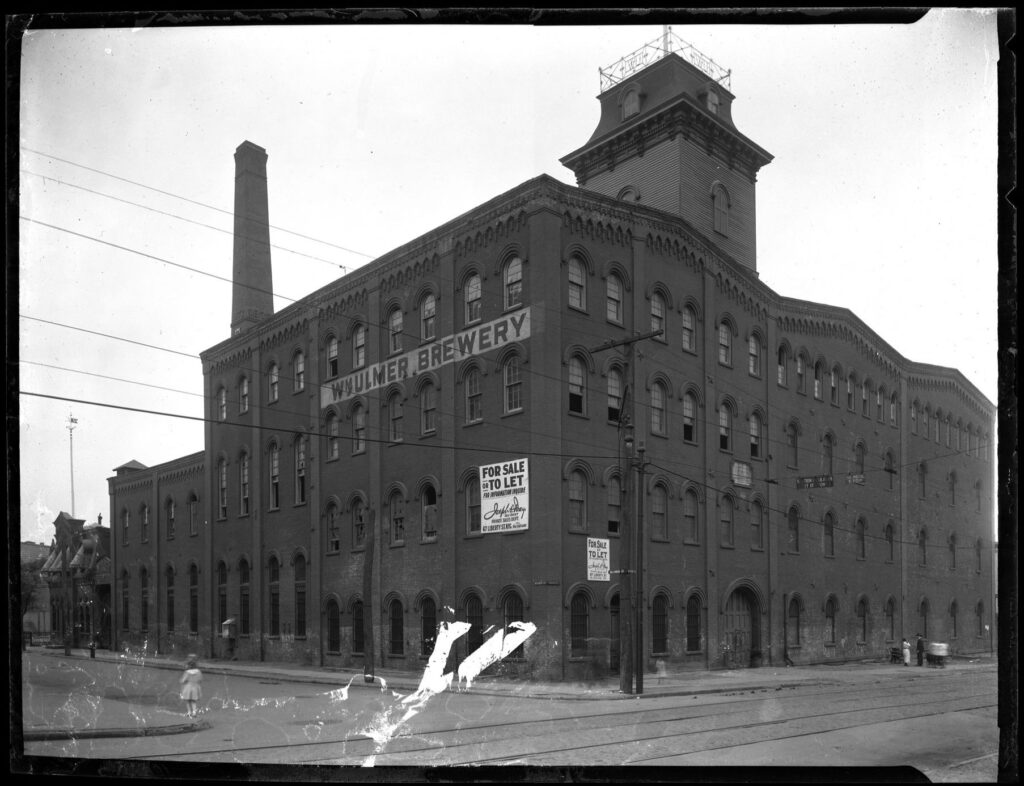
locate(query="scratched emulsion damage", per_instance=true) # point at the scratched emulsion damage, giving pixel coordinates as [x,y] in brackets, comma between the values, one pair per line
[386,723]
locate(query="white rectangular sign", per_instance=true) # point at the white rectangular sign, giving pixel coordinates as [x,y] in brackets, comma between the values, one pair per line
[473,341]
[505,496]
[598,559]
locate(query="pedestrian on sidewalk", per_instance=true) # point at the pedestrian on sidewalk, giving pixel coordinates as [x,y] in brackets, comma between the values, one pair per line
[906,652]
[920,650]
[190,690]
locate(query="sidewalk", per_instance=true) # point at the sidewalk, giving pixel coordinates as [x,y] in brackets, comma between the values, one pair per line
[119,719]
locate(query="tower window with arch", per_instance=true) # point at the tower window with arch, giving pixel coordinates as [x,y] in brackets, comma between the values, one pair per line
[358,429]
[144,600]
[396,515]
[475,618]
[892,409]
[691,527]
[222,489]
[428,627]
[428,317]
[613,299]
[333,615]
[577,284]
[689,418]
[827,451]
[829,534]
[865,395]
[428,409]
[299,573]
[952,488]
[862,539]
[577,501]
[833,386]
[756,526]
[169,589]
[222,403]
[395,417]
[977,556]
[793,530]
[474,397]
[659,513]
[720,206]
[471,299]
[144,523]
[659,624]
[243,395]
[395,328]
[851,383]
[880,405]
[724,343]
[922,548]
[332,357]
[755,435]
[782,361]
[831,607]
[793,623]
[513,282]
[819,380]
[301,455]
[890,469]
[193,600]
[890,542]
[243,485]
[513,384]
[953,615]
[631,103]
[577,386]
[727,527]
[274,596]
[359,346]
[274,466]
[299,369]
[396,628]
[512,613]
[358,627]
[862,621]
[689,329]
[472,493]
[801,374]
[952,552]
[658,314]
[614,395]
[858,458]
[754,355]
[659,423]
[890,620]
[979,618]
[273,383]
[193,514]
[169,510]
[579,625]
[725,416]
[222,591]
[126,592]
[793,445]
[358,524]
[614,505]
[332,526]
[922,479]
[244,607]
[693,624]
[428,512]
[333,437]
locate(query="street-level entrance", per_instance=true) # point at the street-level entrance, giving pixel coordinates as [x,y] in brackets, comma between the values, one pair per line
[741,633]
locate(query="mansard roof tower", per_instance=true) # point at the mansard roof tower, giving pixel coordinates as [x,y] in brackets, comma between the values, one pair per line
[252,298]
[666,139]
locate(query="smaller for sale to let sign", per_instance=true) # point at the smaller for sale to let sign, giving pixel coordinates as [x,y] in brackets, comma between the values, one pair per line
[598,562]
[505,496]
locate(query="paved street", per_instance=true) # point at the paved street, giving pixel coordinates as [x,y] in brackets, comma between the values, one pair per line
[940,721]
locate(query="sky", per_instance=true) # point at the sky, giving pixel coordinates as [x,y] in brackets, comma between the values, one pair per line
[881,197]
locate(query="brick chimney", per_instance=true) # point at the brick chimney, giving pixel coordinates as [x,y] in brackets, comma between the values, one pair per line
[251,300]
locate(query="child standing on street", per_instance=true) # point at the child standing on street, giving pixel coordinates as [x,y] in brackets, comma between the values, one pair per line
[906,652]
[190,690]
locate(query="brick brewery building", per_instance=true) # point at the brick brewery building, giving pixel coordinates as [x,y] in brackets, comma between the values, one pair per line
[806,493]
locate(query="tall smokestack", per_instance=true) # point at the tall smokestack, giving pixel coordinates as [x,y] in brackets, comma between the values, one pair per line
[252,300]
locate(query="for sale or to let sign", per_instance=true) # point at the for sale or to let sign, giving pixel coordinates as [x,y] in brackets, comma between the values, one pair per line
[598,559]
[505,496]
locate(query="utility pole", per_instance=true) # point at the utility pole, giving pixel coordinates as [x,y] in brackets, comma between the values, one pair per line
[72,422]
[630,611]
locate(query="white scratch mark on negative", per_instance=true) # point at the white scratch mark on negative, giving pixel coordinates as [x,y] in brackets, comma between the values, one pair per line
[494,649]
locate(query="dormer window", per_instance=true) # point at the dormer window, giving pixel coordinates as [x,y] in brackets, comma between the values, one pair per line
[711,102]
[631,103]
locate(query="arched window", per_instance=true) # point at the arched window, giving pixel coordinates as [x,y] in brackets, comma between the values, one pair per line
[428,315]
[333,437]
[862,539]
[512,611]
[613,299]
[890,469]
[979,618]
[862,620]
[756,525]
[193,514]
[475,618]
[630,103]
[977,556]
[126,592]
[169,510]
[614,505]
[579,625]
[864,397]
[144,523]
[783,361]
[474,398]
[833,387]
[471,299]
[222,592]
[890,619]
[831,606]
[274,465]
[689,418]
[273,382]
[300,596]
[395,328]
[724,343]
[924,422]
[513,381]
[428,512]
[792,444]
[893,409]
[244,608]
[890,542]
[358,635]
[614,394]
[658,313]
[333,615]
[793,623]
[913,418]
[577,285]
[222,489]
[801,374]
[577,386]
[396,617]
[922,548]
[728,534]
[332,357]
[880,407]
[472,491]
[243,484]
[301,453]
[724,426]
[193,600]
[793,527]
[851,382]
[952,552]
[577,501]
[693,624]
[143,600]
[829,534]
[690,526]
[755,435]
[827,446]
[222,403]
[358,524]
[428,409]
[299,367]
[922,479]
[274,595]
[720,205]
[243,395]
[169,589]
[358,429]
[858,453]
[689,329]
[953,613]
[952,488]
[359,346]
[923,611]
[658,414]
[395,415]
[428,626]
[659,513]
[659,625]
[754,355]
[396,513]
[819,379]
[513,278]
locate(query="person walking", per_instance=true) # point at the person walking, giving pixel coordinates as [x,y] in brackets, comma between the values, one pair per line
[906,652]
[190,690]
[920,650]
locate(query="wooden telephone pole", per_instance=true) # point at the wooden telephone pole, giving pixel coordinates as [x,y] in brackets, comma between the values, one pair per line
[631,613]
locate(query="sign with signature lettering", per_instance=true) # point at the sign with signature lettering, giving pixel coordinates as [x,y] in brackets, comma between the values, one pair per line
[505,496]
[598,568]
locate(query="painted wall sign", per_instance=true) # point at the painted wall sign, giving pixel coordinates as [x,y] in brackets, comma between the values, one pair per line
[505,496]
[598,560]
[458,346]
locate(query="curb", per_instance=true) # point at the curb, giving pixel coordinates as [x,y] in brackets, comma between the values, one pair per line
[41,735]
